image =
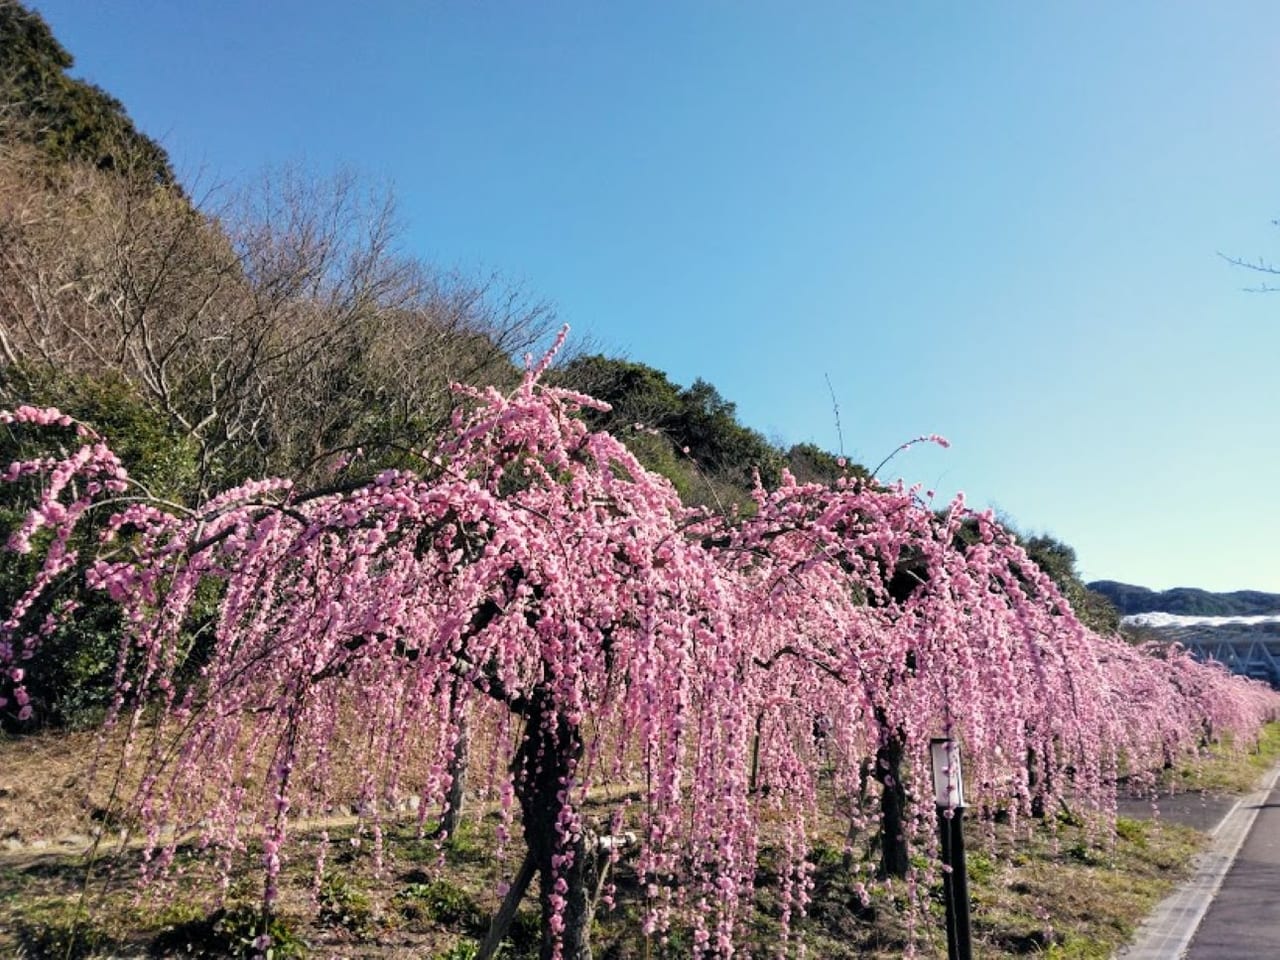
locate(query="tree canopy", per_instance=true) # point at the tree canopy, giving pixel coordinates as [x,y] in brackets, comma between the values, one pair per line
[533,580]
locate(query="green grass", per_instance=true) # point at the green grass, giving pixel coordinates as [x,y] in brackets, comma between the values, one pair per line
[1061,889]
[1223,769]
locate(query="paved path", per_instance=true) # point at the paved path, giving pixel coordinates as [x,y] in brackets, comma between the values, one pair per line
[1230,908]
[1243,922]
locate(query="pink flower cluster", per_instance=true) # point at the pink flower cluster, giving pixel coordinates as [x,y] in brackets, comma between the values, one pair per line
[536,581]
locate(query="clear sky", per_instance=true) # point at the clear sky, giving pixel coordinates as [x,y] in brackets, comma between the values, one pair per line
[995,221]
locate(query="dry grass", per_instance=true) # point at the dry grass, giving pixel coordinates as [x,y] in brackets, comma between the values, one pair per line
[1040,894]
[1058,890]
[45,789]
[1225,770]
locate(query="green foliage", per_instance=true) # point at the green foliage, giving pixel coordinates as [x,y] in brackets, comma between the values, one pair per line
[443,902]
[1058,561]
[658,454]
[463,950]
[981,868]
[525,933]
[157,457]
[1054,557]
[233,932]
[709,425]
[1085,853]
[826,855]
[70,677]
[690,435]
[68,119]
[636,392]
[811,464]
[465,845]
[1132,831]
[344,903]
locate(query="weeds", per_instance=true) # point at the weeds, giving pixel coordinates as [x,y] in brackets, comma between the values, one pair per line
[444,903]
[1060,889]
[345,903]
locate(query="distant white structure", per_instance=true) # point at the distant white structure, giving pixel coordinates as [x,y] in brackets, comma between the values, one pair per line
[1249,646]
[1162,620]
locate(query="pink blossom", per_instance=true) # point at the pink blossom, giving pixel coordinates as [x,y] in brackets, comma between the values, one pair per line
[592,629]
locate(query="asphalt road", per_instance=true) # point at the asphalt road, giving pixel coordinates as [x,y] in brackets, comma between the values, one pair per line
[1202,811]
[1243,921]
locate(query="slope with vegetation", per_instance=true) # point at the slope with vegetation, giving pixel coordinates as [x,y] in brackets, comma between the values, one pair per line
[262,518]
[65,119]
[275,330]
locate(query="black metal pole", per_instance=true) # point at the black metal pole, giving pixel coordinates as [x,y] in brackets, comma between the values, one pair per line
[948,892]
[955,884]
[960,874]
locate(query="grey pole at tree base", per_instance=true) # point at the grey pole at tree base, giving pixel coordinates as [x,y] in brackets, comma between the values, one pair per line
[949,799]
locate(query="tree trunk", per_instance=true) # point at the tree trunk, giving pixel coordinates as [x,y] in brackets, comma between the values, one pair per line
[545,761]
[457,798]
[755,757]
[507,912]
[1040,783]
[893,806]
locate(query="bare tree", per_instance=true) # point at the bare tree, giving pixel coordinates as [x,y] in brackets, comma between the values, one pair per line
[271,328]
[1259,265]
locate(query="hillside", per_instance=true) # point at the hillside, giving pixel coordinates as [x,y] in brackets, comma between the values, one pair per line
[67,119]
[1188,601]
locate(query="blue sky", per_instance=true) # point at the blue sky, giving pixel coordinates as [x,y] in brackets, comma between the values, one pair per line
[998,222]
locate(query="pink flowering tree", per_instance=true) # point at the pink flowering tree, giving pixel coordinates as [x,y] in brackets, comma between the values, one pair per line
[534,585]
[532,579]
[879,624]
[873,605]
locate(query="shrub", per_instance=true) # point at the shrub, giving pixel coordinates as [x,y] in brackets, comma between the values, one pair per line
[443,902]
[345,904]
[238,932]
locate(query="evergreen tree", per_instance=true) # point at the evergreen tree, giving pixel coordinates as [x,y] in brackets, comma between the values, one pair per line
[68,119]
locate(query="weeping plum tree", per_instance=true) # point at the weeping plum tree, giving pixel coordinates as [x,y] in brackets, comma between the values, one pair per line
[899,624]
[534,585]
[881,612]
[533,561]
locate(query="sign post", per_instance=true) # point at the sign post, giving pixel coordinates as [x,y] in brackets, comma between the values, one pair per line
[948,797]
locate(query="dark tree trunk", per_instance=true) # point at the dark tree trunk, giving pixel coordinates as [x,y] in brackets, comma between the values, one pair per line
[547,757]
[893,805]
[1033,784]
[754,784]
[457,798]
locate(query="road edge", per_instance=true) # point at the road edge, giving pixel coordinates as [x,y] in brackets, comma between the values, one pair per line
[1169,928]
